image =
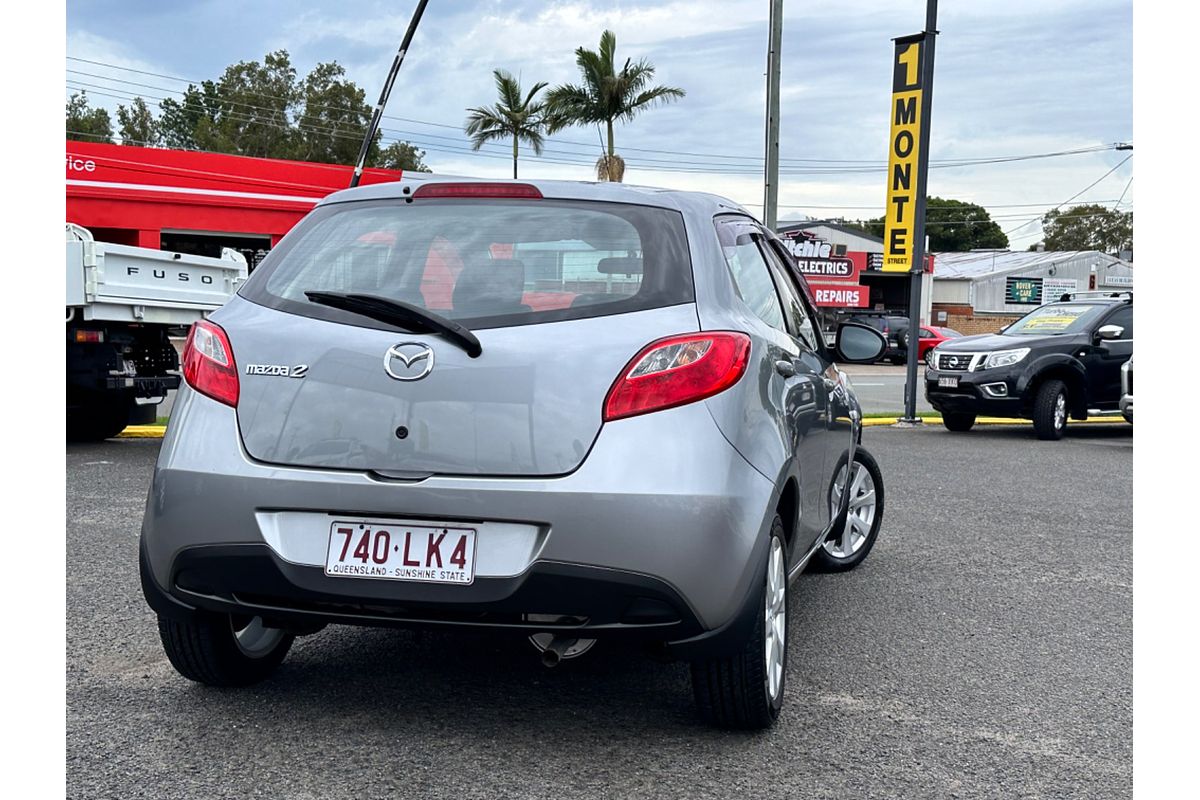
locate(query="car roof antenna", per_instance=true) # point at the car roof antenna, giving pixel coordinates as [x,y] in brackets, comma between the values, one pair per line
[373,128]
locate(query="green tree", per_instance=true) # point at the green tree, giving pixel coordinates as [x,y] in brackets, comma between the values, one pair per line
[85,123]
[401,155]
[1088,227]
[522,120]
[607,96]
[872,227]
[254,109]
[953,226]
[255,104]
[138,125]
[183,122]
[333,118]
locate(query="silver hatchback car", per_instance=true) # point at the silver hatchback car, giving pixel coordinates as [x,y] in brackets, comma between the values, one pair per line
[568,410]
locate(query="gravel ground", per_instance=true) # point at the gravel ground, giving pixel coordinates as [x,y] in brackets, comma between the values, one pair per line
[983,650]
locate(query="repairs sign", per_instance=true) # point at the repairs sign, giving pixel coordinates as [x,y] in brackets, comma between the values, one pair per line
[840,294]
[908,98]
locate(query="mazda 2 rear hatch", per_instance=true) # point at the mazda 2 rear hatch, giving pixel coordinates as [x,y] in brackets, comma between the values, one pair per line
[453,334]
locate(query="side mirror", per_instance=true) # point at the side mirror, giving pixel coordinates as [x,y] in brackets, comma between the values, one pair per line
[1002,330]
[1109,332]
[859,344]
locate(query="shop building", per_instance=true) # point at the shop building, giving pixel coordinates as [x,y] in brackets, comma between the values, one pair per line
[981,291]
[843,267]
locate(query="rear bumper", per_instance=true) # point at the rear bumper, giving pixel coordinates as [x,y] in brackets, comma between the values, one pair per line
[653,535]
[155,386]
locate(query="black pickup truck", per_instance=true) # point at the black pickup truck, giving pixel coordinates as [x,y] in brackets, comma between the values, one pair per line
[1060,360]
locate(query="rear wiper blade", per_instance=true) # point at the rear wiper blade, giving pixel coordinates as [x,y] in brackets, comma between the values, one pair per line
[401,314]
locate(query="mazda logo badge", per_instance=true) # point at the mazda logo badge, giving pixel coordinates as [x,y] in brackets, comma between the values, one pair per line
[416,358]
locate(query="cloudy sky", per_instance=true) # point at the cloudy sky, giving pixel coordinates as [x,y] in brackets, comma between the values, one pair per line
[1013,78]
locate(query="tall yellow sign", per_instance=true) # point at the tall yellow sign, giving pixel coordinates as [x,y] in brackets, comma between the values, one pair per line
[907,139]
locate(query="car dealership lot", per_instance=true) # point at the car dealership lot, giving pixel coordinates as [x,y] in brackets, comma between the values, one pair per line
[983,650]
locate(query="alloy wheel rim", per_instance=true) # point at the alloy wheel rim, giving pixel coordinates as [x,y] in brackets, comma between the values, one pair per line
[253,638]
[775,619]
[860,516]
[1060,410]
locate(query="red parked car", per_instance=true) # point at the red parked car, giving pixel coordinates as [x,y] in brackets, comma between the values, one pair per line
[932,336]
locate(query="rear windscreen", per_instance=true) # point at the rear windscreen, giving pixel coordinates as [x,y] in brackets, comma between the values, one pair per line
[485,263]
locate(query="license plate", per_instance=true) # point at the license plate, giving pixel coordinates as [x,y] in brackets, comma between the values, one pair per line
[950,382]
[400,552]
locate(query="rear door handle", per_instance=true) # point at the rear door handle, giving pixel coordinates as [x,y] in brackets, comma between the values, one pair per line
[785,368]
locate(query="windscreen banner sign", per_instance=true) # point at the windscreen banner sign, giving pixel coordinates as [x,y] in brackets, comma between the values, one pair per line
[816,258]
[840,294]
[1023,291]
[904,148]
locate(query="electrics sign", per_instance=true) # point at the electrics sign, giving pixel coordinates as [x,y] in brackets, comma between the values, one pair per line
[907,139]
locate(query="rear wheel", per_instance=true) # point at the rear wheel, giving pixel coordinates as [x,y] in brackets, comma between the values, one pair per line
[745,690]
[960,423]
[98,421]
[1050,410]
[223,649]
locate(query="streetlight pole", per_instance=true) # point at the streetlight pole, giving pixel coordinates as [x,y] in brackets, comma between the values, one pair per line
[914,307]
[771,176]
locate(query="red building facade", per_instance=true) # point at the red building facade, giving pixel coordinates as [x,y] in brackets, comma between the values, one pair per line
[195,202]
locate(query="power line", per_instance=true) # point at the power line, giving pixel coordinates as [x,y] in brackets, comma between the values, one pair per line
[135,166]
[1085,189]
[555,156]
[846,165]
[1122,197]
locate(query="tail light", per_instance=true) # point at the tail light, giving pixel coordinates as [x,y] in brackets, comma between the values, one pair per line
[678,370]
[208,364]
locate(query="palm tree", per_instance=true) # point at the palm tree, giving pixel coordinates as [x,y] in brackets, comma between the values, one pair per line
[606,95]
[523,120]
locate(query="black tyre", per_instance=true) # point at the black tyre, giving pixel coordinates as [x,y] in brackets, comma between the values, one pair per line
[220,650]
[1050,410]
[745,690]
[960,423]
[97,423]
[849,543]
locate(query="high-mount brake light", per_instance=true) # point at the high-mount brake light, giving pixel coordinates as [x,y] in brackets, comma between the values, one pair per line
[208,365]
[678,370]
[517,191]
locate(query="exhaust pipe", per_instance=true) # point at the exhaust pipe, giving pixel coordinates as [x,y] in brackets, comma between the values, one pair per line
[555,650]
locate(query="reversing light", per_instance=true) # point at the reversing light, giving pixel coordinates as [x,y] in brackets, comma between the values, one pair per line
[208,365]
[678,370]
[520,191]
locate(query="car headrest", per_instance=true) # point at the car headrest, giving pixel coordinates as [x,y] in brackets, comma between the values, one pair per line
[489,285]
[622,265]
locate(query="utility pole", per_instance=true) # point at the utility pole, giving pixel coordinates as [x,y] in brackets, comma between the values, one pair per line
[771,177]
[914,307]
[387,90]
